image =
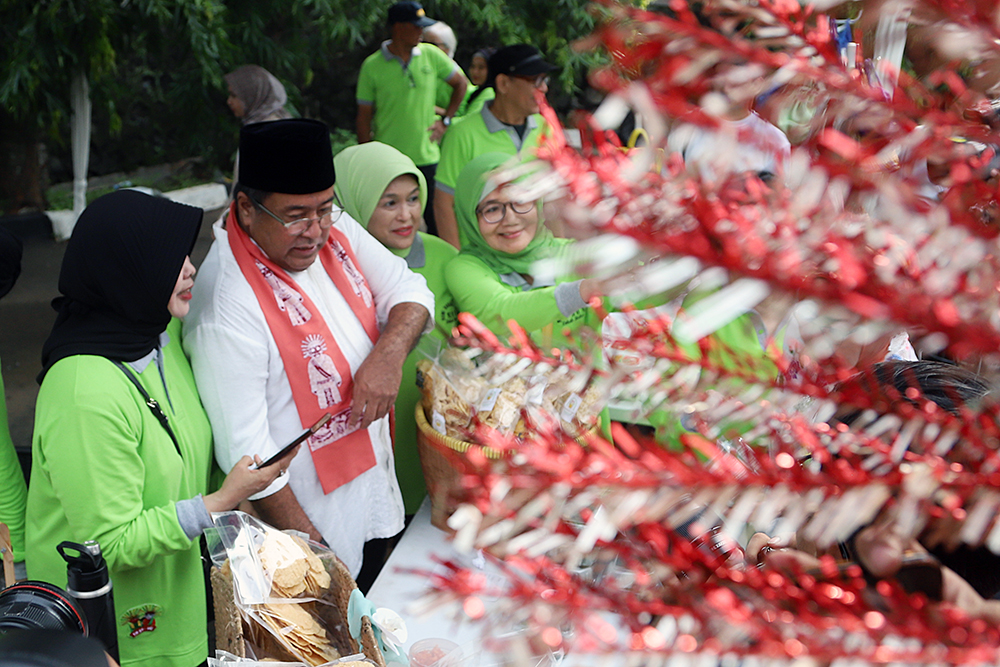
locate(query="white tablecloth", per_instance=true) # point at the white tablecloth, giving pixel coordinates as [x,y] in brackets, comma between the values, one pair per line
[400,590]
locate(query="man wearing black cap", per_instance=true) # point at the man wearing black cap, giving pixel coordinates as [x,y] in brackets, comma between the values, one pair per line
[397,87]
[298,313]
[510,124]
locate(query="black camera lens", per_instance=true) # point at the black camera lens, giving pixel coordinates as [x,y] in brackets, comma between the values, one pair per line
[32,605]
[49,648]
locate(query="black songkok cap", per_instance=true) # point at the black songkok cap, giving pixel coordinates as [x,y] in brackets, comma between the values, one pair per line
[291,156]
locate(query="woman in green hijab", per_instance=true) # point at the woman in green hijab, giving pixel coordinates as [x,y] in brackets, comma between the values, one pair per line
[491,278]
[385,192]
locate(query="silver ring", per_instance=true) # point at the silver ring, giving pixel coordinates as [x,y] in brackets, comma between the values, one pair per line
[282,473]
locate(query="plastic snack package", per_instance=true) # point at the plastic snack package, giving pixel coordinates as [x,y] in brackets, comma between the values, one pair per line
[290,592]
[451,391]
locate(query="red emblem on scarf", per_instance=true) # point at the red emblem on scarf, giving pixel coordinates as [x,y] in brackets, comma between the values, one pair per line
[317,370]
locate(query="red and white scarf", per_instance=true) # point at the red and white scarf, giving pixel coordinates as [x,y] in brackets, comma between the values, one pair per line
[317,370]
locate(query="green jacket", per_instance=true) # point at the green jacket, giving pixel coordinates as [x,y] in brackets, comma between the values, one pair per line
[437,254]
[13,491]
[105,469]
[479,290]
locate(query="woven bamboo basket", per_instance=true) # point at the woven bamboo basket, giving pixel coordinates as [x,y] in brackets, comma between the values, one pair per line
[440,474]
[6,557]
[232,632]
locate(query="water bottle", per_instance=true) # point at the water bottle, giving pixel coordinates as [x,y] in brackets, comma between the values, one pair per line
[88,582]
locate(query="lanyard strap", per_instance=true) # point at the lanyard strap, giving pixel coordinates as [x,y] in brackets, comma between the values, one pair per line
[154,407]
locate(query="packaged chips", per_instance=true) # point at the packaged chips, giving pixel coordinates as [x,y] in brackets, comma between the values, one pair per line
[451,393]
[299,630]
[511,395]
[293,567]
[290,594]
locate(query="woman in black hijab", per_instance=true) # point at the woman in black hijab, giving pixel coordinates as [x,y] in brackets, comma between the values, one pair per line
[111,465]
[13,491]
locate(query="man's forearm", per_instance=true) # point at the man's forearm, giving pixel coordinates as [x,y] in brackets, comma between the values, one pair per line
[363,123]
[444,217]
[457,95]
[283,511]
[402,330]
[376,382]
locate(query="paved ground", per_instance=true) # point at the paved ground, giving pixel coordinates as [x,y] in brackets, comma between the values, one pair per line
[26,318]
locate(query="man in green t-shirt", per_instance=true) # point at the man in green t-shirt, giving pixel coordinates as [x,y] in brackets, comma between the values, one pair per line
[509,124]
[396,90]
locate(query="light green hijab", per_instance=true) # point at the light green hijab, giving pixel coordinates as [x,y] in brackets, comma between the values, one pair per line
[472,186]
[364,172]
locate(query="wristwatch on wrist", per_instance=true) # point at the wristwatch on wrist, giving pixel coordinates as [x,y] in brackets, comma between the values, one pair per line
[446,121]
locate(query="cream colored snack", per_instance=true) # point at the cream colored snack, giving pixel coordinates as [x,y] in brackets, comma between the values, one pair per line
[317,579]
[285,563]
[453,397]
[504,414]
[301,633]
[295,570]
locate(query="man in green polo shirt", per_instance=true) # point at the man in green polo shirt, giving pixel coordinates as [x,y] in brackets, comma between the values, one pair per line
[509,124]
[396,90]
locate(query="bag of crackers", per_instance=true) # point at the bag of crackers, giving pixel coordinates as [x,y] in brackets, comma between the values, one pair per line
[450,391]
[464,387]
[226,659]
[279,596]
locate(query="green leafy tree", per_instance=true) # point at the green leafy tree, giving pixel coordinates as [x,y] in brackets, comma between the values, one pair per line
[45,44]
[156,66]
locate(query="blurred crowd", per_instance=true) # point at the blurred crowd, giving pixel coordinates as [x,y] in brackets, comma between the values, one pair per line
[166,398]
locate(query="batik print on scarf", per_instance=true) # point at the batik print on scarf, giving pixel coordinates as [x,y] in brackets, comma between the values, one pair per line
[318,372]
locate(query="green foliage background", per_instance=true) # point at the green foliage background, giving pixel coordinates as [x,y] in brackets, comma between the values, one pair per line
[156,66]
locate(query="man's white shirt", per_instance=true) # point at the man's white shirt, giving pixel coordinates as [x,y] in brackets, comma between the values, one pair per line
[243,385]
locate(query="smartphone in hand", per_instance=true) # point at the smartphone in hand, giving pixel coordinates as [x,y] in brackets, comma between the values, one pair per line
[294,443]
